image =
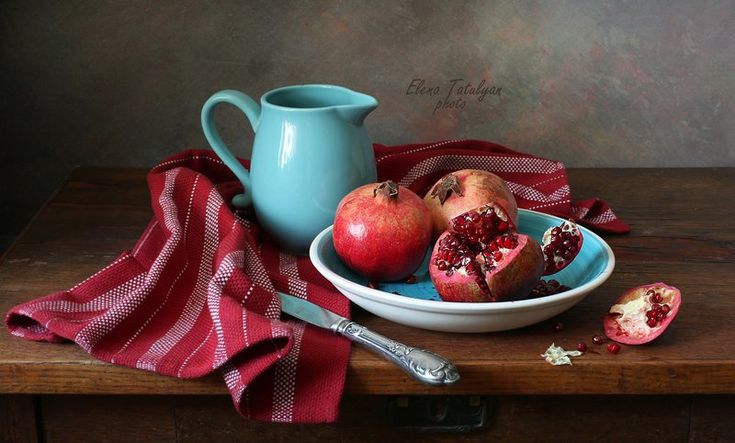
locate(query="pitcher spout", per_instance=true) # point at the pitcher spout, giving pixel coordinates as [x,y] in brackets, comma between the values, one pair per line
[359,107]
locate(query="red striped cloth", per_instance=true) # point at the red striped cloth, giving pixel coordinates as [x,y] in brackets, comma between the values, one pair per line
[196,293]
[536,183]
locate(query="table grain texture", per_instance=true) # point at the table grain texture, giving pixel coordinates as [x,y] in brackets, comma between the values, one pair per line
[683,233]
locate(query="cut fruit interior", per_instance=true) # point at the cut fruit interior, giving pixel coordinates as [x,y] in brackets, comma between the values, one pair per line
[641,314]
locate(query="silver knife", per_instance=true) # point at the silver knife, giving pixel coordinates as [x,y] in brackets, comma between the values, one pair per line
[423,365]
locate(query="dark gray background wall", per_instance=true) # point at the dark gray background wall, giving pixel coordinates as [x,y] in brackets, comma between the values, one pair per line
[591,83]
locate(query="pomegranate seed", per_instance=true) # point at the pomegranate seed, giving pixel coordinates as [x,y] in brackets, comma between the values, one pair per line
[651,322]
[502,226]
[508,242]
[373,284]
[665,309]
[558,326]
[598,339]
[582,347]
[613,348]
[411,280]
[657,298]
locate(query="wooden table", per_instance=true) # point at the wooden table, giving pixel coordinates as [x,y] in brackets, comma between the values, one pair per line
[681,386]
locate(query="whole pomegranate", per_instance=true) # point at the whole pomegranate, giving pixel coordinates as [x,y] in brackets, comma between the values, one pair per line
[464,190]
[643,313]
[382,231]
[481,258]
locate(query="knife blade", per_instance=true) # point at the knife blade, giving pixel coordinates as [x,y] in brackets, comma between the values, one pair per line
[424,366]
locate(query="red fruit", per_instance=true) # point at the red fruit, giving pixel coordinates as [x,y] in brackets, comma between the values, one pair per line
[613,348]
[561,244]
[582,347]
[462,191]
[598,339]
[382,231]
[641,314]
[481,258]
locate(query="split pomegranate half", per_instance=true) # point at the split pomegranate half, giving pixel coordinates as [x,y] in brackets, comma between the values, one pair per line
[482,258]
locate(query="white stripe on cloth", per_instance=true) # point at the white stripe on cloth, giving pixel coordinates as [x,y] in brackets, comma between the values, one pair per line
[285,379]
[195,303]
[254,269]
[117,261]
[90,335]
[185,363]
[229,263]
[499,164]
[288,266]
[532,194]
[102,302]
[176,280]
[605,217]
[419,149]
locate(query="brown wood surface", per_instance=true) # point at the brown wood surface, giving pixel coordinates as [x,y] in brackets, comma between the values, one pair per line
[75,418]
[683,224]
[18,419]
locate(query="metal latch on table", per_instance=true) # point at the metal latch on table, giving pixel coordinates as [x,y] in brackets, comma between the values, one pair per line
[438,413]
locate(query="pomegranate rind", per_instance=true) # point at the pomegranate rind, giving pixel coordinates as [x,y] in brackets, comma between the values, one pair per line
[518,272]
[630,328]
[380,237]
[478,188]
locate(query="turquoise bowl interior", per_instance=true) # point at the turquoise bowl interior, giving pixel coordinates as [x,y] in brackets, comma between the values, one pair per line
[591,262]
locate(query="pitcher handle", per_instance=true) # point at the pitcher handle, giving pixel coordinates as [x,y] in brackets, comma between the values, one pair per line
[252,111]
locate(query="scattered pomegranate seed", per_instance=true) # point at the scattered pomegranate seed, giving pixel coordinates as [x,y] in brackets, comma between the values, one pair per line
[613,348]
[373,284]
[411,280]
[598,339]
[558,326]
[547,287]
[582,347]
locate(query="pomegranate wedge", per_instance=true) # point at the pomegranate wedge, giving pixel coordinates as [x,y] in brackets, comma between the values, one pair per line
[643,313]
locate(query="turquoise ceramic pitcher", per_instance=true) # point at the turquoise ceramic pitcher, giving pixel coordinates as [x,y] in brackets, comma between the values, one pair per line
[310,150]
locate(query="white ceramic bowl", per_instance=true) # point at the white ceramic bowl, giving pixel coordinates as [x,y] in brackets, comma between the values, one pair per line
[420,306]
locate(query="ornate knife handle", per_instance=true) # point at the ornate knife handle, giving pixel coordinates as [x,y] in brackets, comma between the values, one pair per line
[423,365]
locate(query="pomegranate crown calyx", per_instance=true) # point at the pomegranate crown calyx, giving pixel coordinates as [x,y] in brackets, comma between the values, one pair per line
[447,185]
[388,188]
